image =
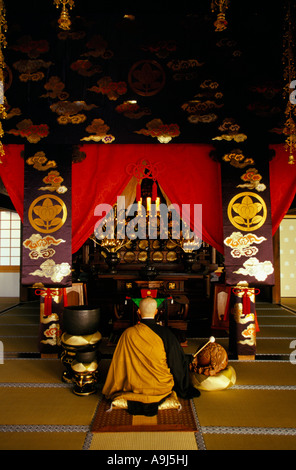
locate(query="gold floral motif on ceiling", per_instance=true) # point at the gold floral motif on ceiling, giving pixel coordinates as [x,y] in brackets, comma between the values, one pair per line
[146,77]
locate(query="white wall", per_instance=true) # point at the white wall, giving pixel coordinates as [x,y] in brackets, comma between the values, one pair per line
[9,284]
[288,257]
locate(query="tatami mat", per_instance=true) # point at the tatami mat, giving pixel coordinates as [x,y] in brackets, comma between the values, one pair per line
[144,441]
[277,331]
[274,346]
[277,320]
[10,318]
[265,372]
[25,371]
[247,408]
[19,330]
[39,412]
[8,302]
[45,406]
[289,302]
[245,441]
[20,344]
[42,440]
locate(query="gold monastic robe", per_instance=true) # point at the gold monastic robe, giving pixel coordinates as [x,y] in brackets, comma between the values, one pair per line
[139,370]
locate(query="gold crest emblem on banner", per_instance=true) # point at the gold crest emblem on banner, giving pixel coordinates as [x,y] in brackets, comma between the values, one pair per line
[51,213]
[250,211]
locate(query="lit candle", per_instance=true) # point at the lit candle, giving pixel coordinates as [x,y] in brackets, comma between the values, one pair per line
[157,204]
[140,206]
[148,204]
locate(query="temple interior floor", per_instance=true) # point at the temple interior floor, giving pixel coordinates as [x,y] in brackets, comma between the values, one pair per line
[40,412]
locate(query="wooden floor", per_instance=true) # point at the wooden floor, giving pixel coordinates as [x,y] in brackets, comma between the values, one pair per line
[39,412]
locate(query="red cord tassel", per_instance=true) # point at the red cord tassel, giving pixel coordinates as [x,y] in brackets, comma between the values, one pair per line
[138,195]
[247,304]
[256,323]
[65,297]
[47,303]
[154,191]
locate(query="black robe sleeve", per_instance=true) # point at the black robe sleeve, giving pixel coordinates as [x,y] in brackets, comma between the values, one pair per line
[178,361]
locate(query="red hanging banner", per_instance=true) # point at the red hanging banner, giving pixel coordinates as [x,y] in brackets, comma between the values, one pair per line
[47,226]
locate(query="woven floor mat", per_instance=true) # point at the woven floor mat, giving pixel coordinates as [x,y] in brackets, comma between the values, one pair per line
[119,420]
[144,441]
[247,409]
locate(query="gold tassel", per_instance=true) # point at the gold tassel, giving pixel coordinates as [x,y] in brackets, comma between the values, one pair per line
[222,5]
[3,44]
[289,74]
[64,20]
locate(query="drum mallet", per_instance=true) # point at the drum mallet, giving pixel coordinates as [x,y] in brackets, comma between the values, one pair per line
[211,340]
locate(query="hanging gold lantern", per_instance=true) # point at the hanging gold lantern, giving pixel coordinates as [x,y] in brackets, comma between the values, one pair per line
[289,75]
[220,5]
[3,44]
[64,20]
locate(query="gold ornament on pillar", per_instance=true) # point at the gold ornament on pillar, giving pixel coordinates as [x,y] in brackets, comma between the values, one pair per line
[220,6]
[289,75]
[3,44]
[64,21]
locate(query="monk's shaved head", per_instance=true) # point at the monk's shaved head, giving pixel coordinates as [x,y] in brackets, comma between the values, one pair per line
[148,307]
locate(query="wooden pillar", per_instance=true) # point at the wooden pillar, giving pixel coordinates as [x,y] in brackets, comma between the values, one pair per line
[276,289]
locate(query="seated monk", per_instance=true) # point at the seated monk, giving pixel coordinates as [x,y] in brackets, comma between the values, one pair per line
[148,363]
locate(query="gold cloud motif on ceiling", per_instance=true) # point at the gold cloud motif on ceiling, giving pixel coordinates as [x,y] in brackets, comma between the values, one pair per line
[55,89]
[164,133]
[32,132]
[98,47]
[99,132]
[69,111]
[106,86]
[29,69]
[132,110]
